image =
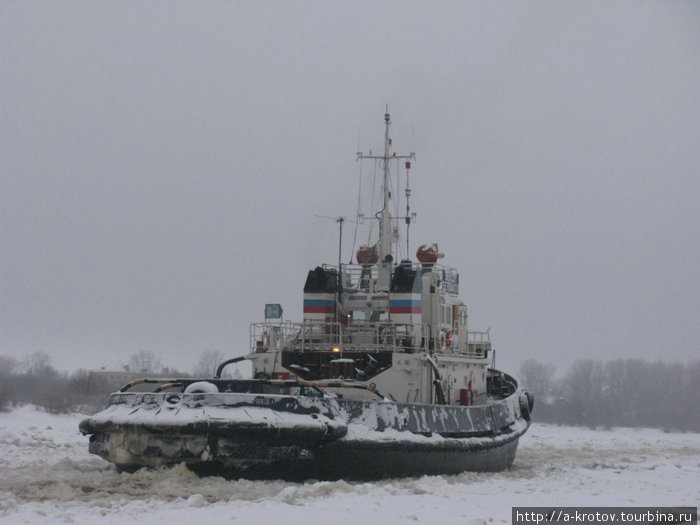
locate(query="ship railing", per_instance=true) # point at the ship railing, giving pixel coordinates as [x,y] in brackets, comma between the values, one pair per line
[272,335]
[478,344]
[314,336]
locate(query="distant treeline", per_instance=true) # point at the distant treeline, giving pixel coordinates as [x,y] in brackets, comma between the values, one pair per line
[630,392]
[35,381]
[623,392]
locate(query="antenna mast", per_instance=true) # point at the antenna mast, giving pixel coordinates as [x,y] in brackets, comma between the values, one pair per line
[384,215]
[408,207]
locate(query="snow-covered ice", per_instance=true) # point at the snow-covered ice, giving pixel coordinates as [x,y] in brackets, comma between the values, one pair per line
[47,476]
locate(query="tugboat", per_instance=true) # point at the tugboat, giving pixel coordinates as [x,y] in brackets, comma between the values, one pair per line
[382,378]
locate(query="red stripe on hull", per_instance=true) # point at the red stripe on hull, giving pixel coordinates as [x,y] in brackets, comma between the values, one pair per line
[405,310]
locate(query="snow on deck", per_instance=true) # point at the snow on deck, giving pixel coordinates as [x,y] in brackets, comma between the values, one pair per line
[178,416]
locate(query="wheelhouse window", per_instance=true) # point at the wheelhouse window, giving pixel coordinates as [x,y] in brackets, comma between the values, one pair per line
[369,316]
[445,314]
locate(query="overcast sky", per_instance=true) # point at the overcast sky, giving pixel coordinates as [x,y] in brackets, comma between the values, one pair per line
[162,164]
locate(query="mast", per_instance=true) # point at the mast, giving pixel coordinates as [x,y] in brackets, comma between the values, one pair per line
[408,216]
[384,215]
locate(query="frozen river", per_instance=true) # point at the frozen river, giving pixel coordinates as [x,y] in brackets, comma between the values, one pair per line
[47,476]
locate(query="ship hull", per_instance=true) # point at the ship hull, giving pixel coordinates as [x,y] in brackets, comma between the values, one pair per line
[363,461]
[259,436]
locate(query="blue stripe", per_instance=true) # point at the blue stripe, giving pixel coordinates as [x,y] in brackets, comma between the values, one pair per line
[318,302]
[404,302]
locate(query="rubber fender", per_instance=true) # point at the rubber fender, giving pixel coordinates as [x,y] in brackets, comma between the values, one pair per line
[525,407]
[530,400]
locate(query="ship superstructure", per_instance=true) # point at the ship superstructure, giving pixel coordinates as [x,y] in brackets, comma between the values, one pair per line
[397,324]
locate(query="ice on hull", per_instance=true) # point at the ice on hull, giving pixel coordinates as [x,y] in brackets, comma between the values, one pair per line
[268,436]
[344,459]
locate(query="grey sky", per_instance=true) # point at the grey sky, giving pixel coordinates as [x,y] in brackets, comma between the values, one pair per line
[162,164]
